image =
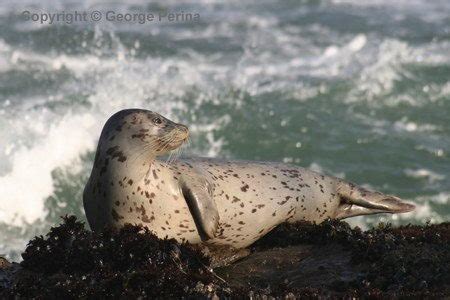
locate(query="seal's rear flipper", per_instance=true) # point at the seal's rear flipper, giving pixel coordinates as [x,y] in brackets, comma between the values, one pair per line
[356,201]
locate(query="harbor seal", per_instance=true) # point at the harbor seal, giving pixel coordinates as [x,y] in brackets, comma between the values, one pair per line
[204,200]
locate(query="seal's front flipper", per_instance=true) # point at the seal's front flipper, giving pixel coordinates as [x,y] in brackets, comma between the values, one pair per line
[356,201]
[198,194]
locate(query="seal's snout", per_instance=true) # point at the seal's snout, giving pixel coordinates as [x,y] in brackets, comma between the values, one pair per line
[183,131]
[177,136]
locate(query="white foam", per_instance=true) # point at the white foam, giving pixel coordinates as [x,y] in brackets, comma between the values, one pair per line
[409,126]
[424,173]
[443,198]
[378,77]
[30,182]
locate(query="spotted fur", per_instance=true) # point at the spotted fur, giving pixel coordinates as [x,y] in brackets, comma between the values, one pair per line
[129,185]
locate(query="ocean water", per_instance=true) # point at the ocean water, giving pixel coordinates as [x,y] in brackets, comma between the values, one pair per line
[356,89]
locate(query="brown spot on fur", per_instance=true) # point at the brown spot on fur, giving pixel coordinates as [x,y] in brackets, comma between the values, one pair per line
[244,188]
[282,202]
[139,136]
[115,152]
[146,219]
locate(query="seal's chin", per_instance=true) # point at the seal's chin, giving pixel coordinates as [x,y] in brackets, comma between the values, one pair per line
[174,145]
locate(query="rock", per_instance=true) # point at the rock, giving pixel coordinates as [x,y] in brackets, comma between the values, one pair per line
[292,267]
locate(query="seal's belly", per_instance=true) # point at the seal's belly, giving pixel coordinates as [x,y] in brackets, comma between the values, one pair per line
[252,198]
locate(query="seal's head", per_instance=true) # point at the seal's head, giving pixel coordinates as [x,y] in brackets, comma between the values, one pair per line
[142,129]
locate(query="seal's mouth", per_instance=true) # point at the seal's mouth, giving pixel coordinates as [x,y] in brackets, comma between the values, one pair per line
[180,135]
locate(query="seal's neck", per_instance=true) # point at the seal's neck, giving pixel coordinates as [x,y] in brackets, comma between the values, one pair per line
[118,159]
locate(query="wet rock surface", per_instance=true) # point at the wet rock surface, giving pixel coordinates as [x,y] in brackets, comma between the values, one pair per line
[294,260]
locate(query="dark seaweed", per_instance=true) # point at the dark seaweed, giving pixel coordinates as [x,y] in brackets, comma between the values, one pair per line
[72,262]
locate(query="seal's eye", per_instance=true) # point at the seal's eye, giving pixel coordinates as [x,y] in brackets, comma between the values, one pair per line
[157,121]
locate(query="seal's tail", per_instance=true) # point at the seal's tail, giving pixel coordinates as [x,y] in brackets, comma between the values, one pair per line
[356,201]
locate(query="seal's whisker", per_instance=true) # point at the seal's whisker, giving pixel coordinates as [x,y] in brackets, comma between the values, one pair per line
[174,155]
[183,147]
[188,142]
[153,145]
[169,159]
[180,151]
